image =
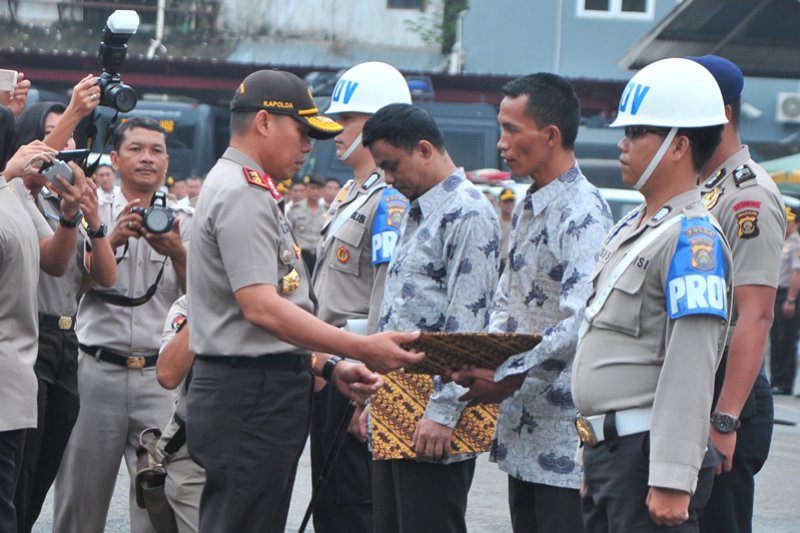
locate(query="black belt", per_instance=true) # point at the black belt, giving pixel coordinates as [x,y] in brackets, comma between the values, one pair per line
[297,361]
[63,323]
[134,361]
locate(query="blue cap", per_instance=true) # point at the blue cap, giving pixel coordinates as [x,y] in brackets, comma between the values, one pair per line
[729,76]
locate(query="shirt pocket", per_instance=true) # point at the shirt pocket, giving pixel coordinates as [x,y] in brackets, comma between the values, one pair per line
[346,248]
[622,311]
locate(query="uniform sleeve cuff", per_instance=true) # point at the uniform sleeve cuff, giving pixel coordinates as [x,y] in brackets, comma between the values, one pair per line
[673,476]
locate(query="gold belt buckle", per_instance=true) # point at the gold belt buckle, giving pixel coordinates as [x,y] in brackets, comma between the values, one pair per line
[65,323]
[136,362]
[585,431]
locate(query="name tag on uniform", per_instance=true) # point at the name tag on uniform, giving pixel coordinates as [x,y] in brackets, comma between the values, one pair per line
[696,281]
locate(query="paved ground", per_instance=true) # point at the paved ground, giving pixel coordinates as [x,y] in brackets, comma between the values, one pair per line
[776,498]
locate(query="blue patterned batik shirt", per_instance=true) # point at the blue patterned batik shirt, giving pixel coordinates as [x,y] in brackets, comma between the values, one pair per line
[556,236]
[443,274]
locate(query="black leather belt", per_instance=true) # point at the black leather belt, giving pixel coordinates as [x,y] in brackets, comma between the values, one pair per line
[63,323]
[134,361]
[297,361]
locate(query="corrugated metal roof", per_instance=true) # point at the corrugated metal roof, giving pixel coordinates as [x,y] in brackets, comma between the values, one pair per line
[761,36]
[335,55]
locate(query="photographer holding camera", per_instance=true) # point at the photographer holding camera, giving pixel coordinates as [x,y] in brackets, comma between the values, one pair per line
[119,334]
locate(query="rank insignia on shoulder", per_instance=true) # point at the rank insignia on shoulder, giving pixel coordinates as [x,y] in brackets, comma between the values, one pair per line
[290,282]
[710,198]
[742,175]
[716,178]
[343,254]
[659,216]
[748,224]
[262,181]
[370,181]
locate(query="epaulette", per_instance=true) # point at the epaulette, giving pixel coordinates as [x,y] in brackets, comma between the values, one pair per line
[715,179]
[743,174]
[370,181]
[262,181]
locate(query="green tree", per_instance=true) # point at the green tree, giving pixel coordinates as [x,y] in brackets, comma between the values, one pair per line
[439,25]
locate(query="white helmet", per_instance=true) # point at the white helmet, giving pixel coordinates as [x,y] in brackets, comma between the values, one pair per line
[672,93]
[367,87]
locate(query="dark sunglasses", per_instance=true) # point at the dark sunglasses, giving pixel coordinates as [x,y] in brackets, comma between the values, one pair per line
[634,132]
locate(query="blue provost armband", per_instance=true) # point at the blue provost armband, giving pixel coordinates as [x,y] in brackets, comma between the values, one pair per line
[696,281]
[386,227]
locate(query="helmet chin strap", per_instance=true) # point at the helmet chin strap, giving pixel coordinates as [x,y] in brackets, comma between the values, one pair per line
[352,148]
[656,159]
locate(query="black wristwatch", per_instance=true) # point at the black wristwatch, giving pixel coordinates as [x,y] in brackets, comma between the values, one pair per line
[725,423]
[73,222]
[100,233]
[330,364]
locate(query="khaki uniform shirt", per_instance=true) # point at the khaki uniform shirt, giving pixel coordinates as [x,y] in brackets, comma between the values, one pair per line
[176,317]
[790,260]
[306,224]
[240,238]
[58,295]
[656,342]
[750,210]
[19,275]
[132,329]
[351,268]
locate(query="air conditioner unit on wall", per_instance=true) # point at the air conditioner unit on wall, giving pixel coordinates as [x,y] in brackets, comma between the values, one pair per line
[787,110]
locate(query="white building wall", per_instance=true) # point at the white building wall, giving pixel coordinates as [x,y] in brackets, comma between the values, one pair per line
[366,21]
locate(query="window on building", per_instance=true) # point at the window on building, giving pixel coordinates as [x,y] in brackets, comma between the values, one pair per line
[636,9]
[405,4]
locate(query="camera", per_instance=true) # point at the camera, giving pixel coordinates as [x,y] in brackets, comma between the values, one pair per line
[158,218]
[120,26]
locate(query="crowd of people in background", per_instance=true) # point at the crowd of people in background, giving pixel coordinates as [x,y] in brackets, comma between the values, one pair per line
[271,305]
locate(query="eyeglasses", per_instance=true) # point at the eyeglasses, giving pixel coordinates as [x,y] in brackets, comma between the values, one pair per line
[634,132]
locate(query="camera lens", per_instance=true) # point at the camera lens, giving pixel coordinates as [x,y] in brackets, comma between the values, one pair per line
[121,97]
[157,221]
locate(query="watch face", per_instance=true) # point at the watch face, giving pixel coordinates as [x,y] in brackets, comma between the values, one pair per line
[724,423]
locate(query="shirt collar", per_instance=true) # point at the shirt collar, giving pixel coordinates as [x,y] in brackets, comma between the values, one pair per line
[540,198]
[240,158]
[436,197]
[737,159]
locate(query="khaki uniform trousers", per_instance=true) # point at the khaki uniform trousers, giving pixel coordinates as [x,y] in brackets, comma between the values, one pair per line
[116,405]
[183,488]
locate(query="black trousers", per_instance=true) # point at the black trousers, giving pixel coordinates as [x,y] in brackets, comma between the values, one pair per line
[616,487]
[247,427]
[537,508]
[58,403]
[412,497]
[11,445]
[730,509]
[783,345]
[310,259]
[345,502]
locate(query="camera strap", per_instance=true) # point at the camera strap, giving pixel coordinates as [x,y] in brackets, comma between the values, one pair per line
[124,301]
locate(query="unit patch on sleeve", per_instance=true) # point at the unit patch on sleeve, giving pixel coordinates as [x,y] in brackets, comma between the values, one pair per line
[696,279]
[386,226]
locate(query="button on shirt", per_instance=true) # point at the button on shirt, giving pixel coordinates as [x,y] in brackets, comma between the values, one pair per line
[635,355]
[240,238]
[442,278]
[557,233]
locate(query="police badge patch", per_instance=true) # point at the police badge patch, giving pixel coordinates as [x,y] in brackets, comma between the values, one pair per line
[748,224]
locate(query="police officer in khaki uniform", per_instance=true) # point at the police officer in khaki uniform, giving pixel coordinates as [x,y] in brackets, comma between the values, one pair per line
[251,307]
[783,335]
[357,244]
[119,333]
[26,244]
[749,207]
[307,218]
[644,370]
[57,358]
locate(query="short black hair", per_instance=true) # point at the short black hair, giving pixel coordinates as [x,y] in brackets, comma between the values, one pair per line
[736,113]
[136,122]
[30,122]
[240,121]
[402,126]
[704,142]
[551,101]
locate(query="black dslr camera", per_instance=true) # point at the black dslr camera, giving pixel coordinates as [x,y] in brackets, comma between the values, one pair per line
[158,218]
[120,26]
